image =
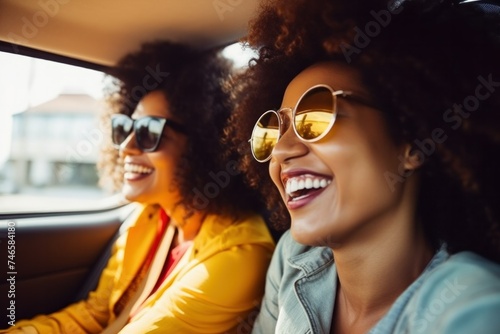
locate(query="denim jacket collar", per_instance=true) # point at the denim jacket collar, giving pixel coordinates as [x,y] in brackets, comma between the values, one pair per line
[315,259]
[318,270]
[317,282]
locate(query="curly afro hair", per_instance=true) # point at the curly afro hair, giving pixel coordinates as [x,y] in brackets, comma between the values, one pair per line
[432,66]
[196,85]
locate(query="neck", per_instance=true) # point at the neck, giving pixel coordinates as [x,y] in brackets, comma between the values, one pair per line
[379,262]
[187,228]
[374,271]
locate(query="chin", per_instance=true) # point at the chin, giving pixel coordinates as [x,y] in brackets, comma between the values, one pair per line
[305,236]
[131,195]
[308,232]
[130,198]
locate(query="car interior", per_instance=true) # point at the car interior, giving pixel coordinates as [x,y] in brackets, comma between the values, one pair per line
[61,248]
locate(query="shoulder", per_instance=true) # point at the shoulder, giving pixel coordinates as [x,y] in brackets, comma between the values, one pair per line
[462,295]
[468,272]
[223,233]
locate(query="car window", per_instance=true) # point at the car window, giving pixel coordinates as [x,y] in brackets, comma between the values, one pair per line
[50,134]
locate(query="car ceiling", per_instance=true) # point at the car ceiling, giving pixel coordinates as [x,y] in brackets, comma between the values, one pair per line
[101,32]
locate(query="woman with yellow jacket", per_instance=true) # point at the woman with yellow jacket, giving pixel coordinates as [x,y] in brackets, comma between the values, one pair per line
[194,256]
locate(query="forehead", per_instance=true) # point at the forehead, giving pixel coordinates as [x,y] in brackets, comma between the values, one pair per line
[336,75]
[153,104]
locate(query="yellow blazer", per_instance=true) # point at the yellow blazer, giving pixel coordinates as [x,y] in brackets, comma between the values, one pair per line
[217,283]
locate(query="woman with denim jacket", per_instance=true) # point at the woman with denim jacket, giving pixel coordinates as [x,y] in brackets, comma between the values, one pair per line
[383,150]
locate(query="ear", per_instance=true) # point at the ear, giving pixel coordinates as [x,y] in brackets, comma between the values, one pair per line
[413,158]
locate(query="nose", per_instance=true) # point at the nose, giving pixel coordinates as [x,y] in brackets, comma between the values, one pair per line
[129,146]
[289,146]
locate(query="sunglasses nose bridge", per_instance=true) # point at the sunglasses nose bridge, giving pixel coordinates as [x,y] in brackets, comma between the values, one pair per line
[285,119]
[129,145]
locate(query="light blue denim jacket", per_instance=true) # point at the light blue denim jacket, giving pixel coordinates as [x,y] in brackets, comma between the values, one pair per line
[454,295]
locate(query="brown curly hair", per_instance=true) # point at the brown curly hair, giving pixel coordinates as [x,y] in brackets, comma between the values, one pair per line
[424,59]
[196,85]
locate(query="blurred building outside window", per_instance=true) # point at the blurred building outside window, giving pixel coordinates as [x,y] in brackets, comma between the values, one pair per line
[49,135]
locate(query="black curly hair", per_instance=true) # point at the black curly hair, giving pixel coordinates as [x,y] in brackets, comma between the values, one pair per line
[196,85]
[424,62]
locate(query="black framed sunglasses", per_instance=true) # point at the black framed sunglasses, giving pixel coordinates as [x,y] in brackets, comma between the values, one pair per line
[312,118]
[148,130]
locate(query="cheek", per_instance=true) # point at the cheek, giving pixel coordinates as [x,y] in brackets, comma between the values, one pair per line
[274,173]
[164,168]
[364,145]
[369,171]
[360,164]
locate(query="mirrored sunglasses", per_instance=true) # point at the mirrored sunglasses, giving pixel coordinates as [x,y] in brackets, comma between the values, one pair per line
[312,118]
[148,130]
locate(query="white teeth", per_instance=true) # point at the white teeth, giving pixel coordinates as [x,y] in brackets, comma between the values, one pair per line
[129,168]
[309,182]
[294,185]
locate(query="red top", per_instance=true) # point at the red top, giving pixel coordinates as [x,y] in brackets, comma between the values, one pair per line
[173,257]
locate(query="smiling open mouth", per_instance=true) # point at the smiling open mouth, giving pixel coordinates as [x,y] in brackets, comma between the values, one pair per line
[302,186]
[137,169]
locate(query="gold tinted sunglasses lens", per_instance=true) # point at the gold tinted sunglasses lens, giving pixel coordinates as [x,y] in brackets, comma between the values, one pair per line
[265,136]
[315,113]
